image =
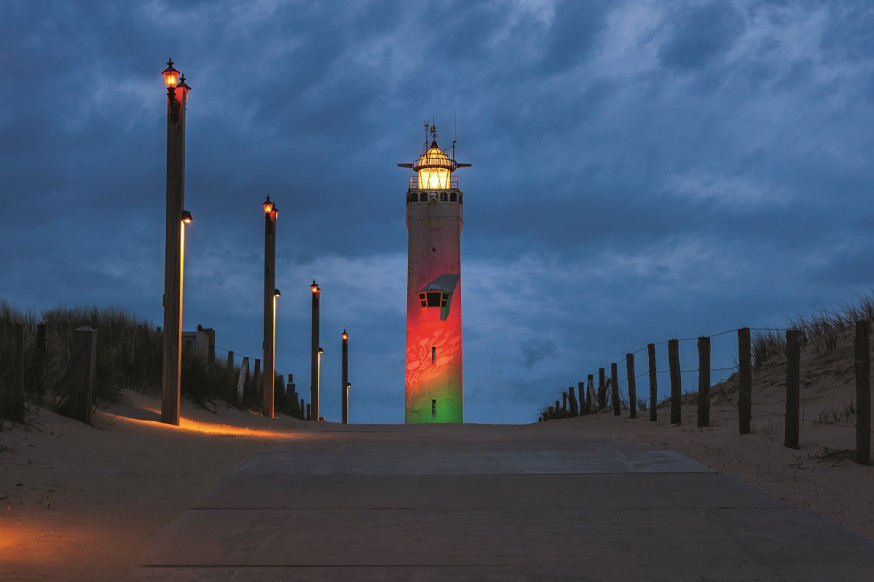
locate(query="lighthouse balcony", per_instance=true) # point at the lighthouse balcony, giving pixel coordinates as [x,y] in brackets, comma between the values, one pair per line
[415,183]
[432,196]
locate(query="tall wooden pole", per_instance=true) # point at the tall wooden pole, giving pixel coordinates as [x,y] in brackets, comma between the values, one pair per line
[269,388]
[177,98]
[345,393]
[314,354]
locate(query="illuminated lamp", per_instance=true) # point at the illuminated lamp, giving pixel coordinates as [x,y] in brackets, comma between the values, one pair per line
[345,335]
[315,288]
[171,75]
[186,217]
[276,293]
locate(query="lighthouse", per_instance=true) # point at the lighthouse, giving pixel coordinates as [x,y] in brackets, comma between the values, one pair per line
[434,386]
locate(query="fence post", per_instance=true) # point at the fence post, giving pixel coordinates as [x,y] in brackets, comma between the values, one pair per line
[81,373]
[230,360]
[575,409]
[744,381]
[793,387]
[557,408]
[653,383]
[241,379]
[590,393]
[40,363]
[632,386]
[303,410]
[564,399]
[614,392]
[703,381]
[863,391]
[676,380]
[291,396]
[602,390]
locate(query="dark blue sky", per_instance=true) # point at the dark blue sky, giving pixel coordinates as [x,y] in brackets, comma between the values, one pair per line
[641,171]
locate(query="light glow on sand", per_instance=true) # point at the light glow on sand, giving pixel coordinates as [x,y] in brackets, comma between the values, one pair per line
[211,428]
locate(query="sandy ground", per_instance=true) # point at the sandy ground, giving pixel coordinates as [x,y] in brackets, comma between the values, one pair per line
[80,502]
[820,475]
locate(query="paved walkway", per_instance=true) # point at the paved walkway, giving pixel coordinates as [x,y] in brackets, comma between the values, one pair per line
[464,503]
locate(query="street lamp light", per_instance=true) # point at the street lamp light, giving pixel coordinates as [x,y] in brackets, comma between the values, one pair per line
[344,395]
[315,350]
[176,218]
[270,295]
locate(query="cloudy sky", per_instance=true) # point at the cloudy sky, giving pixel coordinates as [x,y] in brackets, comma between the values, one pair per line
[641,171]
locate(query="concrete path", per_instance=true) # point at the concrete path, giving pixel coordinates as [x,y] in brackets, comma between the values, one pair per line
[472,502]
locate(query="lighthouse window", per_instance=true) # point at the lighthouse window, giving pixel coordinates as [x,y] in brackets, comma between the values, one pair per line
[453,197]
[443,197]
[423,197]
[412,197]
[433,354]
[434,298]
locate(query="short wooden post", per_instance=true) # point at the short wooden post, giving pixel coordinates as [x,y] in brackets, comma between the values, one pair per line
[279,392]
[39,375]
[863,391]
[241,379]
[564,400]
[309,411]
[632,386]
[581,390]
[744,381]
[676,380]
[303,410]
[575,408]
[590,393]
[550,413]
[614,392]
[16,401]
[557,408]
[230,360]
[793,387]
[81,373]
[703,381]
[602,390]
[653,383]
[291,396]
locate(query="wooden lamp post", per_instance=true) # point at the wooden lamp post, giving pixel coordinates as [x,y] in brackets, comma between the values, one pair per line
[177,98]
[270,295]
